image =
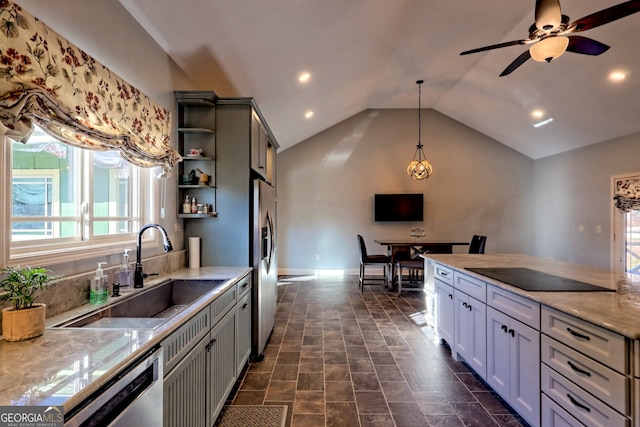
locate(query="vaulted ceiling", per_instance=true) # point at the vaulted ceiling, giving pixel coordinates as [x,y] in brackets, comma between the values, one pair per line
[369,53]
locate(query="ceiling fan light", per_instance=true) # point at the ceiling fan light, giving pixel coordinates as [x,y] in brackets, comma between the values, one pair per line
[549,48]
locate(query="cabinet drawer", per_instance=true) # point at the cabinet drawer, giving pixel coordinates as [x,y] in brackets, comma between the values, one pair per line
[586,408]
[598,343]
[243,286]
[180,342]
[554,416]
[604,383]
[520,308]
[222,304]
[444,274]
[470,286]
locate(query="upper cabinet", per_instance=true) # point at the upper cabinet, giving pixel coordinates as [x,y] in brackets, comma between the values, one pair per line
[262,149]
[197,145]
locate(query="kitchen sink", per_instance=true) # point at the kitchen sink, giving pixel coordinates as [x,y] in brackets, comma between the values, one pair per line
[147,309]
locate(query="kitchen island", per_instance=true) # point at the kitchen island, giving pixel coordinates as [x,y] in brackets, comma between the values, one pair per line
[67,366]
[557,357]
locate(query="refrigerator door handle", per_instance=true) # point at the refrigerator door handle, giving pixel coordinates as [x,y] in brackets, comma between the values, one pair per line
[268,242]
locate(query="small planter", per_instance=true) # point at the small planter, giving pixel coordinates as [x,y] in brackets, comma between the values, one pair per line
[20,325]
[24,319]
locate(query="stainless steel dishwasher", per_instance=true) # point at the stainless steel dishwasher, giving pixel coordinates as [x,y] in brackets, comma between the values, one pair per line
[133,398]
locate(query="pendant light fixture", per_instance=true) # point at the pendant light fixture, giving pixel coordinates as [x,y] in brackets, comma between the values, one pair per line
[419,168]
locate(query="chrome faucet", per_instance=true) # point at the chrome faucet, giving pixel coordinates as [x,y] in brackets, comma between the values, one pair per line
[139,276]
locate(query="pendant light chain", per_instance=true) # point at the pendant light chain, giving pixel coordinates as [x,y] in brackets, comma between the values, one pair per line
[419,168]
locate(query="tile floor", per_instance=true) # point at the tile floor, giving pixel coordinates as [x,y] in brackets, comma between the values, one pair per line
[338,357]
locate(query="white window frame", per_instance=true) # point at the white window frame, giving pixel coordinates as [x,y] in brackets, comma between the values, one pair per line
[618,227]
[74,250]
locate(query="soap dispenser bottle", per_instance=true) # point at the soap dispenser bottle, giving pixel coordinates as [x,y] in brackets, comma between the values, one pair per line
[99,290]
[125,273]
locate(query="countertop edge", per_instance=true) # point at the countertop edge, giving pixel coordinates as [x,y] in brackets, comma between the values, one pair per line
[155,337]
[599,308]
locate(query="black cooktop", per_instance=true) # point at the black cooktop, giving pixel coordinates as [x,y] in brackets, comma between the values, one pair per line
[533,280]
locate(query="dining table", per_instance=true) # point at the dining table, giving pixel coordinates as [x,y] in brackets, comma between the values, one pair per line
[399,249]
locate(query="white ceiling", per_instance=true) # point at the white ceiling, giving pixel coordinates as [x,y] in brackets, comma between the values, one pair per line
[369,53]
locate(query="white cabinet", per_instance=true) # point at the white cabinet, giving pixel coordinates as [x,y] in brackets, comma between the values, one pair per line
[513,351]
[585,371]
[513,363]
[444,315]
[470,321]
[470,331]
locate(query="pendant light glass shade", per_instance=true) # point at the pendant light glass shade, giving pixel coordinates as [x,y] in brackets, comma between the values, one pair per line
[419,168]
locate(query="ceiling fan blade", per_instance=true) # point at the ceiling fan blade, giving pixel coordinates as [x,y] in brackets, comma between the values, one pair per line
[548,14]
[515,64]
[605,16]
[494,46]
[586,46]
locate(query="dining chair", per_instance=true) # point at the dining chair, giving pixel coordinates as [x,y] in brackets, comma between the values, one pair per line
[366,259]
[415,268]
[477,244]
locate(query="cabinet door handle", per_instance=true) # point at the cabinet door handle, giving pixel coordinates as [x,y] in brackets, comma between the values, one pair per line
[578,370]
[208,347]
[578,404]
[246,304]
[512,332]
[442,273]
[244,285]
[578,335]
[469,307]
[450,296]
[504,328]
[465,305]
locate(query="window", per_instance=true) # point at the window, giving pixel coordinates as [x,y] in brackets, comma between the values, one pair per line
[63,197]
[626,238]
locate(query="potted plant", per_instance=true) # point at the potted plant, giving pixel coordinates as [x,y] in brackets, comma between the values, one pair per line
[24,319]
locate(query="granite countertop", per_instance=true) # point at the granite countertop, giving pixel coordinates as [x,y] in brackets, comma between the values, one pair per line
[65,366]
[616,311]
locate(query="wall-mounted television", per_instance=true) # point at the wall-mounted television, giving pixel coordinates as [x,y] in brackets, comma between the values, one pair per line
[398,207]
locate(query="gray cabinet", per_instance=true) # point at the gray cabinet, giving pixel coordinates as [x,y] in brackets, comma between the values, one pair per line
[204,356]
[243,333]
[262,149]
[222,348]
[187,380]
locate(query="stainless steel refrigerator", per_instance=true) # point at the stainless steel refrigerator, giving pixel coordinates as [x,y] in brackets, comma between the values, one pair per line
[265,264]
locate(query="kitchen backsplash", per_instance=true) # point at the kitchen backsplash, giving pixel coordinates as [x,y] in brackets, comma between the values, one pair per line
[73,291]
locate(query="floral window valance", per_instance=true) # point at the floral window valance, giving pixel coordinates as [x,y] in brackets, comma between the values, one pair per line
[627,194]
[44,79]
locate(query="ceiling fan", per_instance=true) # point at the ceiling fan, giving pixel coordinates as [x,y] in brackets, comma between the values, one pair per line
[549,35]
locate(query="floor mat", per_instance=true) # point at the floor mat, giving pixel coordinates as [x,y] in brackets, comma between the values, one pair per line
[253,415]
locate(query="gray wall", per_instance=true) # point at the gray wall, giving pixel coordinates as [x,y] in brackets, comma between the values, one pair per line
[573,189]
[326,186]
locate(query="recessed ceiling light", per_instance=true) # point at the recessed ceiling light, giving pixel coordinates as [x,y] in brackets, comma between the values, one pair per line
[537,114]
[308,114]
[542,123]
[304,77]
[617,76]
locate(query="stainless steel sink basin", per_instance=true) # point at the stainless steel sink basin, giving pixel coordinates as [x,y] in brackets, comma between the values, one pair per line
[147,309]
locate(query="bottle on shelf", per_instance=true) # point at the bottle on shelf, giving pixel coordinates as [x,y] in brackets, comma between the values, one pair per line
[186,206]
